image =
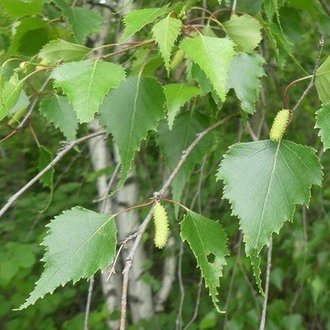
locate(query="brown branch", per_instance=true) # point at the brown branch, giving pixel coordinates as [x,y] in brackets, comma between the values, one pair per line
[265,303]
[145,223]
[59,156]
[312,82]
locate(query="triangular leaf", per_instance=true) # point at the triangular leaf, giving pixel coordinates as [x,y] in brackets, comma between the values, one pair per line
[86,83]
[10,92]
[137,19]
[174,142]
[78,244]
[322,81]
[165,33]
[244,77]
[263,181]
[207,240]
[60,112]
[62,51]
[177,95]
[214,56]
[129,112]
[323,123]
[244,31]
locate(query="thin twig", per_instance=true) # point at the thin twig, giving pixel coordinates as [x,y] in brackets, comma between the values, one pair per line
[178,321]
[264,306]
[142,228]
[110,184]
[28,114]
[88,303]
[59,156]
[312,82]
[198,299]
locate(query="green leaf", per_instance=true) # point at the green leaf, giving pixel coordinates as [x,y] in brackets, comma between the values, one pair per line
[174,142]
[244,31]
[62,51]
[86,83]
[322,81]
[129,112]
[138,19]
[60,112]
[264,181]
[20,8]
[208,241]
[45,157]
[166,33]
[323,123]
[177,95]
[84,21]
[19,109]
[10,92]
[30,36]
[244,77]
[78,244]
[214,56]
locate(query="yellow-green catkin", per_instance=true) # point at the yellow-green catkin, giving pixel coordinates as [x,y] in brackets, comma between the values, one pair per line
[162,230]
[280,124]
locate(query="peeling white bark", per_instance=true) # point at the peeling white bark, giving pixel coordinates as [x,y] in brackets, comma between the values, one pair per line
[140,295]
[100,157]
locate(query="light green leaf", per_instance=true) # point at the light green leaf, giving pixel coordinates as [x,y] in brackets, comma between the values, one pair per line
[323,123]
[177,95]
[166,33]
[208,242]
[45,157]
[60,112]
[214,56]
[244,31]
[129,112]
[62,51]
[20,8]
[264,181]
[174,142]
[78,244]
[86,83]
[10,92]
[138,19]
[244,77]
[322,81]
[19,109]
[84,21]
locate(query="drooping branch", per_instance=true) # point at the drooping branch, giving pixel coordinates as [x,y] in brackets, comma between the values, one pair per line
[62,152]
[142,228]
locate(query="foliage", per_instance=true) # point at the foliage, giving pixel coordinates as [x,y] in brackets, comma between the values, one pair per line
[176,89]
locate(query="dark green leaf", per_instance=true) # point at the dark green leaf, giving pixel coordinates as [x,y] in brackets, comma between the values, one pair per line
[264,181]
[129,112]
[60,112]
[45,157]
[208,241]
